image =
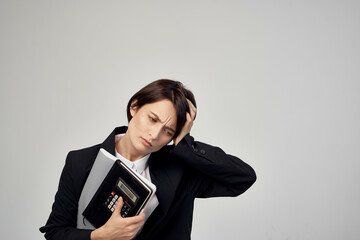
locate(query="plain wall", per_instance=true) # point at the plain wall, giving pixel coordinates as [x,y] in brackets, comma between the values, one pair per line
[277,84]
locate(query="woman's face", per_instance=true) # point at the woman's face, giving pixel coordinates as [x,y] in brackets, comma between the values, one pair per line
[152,126]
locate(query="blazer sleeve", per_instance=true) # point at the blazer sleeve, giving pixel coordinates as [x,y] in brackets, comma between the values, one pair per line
[62,220]
[213,173]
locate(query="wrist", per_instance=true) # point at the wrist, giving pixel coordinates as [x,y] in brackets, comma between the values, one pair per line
[180,138]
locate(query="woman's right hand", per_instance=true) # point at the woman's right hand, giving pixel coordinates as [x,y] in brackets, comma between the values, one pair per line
[117,227]
[190,117]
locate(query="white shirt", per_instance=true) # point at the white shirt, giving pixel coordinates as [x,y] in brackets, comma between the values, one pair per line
[142,167]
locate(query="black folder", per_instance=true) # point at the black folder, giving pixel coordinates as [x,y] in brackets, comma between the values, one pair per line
[123,182]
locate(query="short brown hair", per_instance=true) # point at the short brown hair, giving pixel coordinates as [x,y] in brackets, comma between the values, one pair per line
[164,89]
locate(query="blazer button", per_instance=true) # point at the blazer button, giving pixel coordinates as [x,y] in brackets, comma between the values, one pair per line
[202,151]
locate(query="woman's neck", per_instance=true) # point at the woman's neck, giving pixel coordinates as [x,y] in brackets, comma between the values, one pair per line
[124,148]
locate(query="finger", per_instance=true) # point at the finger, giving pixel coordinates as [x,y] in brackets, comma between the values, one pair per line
[139,223]
[136,226]
[142,216]
[188,117]
[191,105]
[118,207]
[139,219]
[192,109]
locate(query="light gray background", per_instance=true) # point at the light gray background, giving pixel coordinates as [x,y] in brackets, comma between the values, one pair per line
[277,84]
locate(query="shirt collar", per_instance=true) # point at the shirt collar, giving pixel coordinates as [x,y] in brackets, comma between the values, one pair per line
[139,165]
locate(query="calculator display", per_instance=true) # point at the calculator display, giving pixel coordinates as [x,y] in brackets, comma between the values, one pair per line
[127,191]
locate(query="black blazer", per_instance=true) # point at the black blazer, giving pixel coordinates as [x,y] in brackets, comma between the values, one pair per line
[182,173]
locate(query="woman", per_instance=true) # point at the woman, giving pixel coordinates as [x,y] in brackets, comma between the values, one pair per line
[160,112]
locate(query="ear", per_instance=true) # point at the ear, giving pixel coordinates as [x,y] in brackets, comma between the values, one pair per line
[133,107]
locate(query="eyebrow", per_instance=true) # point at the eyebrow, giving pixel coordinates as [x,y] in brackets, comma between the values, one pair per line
[157,117]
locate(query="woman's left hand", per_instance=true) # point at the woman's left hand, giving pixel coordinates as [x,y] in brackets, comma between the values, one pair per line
[188,124]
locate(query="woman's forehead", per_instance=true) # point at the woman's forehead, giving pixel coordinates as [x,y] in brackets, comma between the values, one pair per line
[163,109]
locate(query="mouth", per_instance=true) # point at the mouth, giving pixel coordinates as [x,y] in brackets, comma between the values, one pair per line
[146,143]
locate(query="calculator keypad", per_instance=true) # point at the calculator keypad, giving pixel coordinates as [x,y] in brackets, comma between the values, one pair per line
[111,202]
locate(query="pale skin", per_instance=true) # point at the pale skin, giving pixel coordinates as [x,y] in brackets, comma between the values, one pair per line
[151,128]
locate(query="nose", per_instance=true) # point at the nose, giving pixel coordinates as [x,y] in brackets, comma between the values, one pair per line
[155,132]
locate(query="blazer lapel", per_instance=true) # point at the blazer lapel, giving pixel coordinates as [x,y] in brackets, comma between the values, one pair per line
[166,174]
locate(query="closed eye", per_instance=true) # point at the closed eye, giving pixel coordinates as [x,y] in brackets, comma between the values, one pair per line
[152,119]
[169,132]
